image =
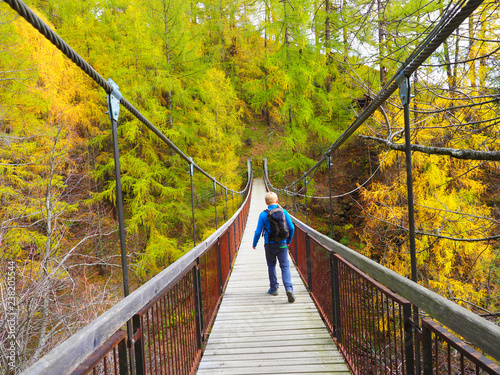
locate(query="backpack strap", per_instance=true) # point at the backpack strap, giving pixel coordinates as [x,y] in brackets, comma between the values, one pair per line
[267,211]
[264,227]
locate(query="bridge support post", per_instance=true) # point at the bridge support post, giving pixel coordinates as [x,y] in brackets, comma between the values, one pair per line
[114,110]
[215,203]
[227,212]
[329,162]
[405,96]
[232,202]
[198,303]
[191,173]
[305,198]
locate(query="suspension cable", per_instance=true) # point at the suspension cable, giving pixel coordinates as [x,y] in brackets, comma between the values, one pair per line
[24,11]
[287,192]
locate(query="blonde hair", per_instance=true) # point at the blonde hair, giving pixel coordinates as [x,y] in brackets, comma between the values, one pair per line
[271,198]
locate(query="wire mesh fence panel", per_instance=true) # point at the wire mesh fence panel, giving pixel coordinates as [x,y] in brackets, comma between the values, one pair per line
[168,330]
[210,284]
[224,258]
[321,280]
[372,324]
[300,253]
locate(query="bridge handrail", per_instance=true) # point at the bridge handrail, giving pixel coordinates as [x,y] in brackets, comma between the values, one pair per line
[473,328]
[77,348]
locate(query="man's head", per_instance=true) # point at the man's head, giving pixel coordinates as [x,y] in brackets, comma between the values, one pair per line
[271,198]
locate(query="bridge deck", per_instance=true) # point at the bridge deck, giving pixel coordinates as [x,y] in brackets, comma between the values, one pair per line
[256,333]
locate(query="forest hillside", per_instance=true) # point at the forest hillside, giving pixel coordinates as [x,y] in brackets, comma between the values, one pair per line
[225,81]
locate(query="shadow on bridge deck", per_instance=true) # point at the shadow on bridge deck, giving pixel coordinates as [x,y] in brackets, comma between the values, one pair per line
[256,333]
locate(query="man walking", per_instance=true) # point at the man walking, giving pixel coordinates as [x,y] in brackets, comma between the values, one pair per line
[277,227]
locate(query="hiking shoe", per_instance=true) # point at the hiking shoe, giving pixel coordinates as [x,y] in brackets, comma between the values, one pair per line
[291,297]
[273,292]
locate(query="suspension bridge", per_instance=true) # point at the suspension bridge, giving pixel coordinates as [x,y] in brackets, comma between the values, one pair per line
[256,333]
[209,312]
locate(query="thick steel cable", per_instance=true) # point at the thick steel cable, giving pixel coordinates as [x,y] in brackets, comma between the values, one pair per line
[450,22]
[297,193]
[24,11]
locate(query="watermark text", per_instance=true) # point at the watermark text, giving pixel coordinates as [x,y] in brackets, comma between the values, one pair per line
[11,315]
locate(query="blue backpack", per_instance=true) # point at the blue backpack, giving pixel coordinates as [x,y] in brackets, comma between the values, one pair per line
[279,227]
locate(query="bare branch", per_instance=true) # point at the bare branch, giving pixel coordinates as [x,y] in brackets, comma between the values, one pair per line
[430,150]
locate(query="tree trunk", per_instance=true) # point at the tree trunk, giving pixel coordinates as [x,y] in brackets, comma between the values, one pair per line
[447,61]
[327,46]
[381,43]
[170,122]
[472,55]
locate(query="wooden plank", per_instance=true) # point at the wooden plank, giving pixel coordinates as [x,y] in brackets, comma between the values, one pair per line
[277,369]
[312,332]
[330,356]
[256,333]
[269,363]
[269,343]
[259,351]
[274,363]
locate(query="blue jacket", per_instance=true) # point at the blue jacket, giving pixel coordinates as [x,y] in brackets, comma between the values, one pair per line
[265,224]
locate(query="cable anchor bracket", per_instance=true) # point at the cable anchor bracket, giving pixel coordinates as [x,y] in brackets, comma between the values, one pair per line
[191,169]
[114,101]
[404,88]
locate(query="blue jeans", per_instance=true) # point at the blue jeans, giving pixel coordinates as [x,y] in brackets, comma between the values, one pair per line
[278,251]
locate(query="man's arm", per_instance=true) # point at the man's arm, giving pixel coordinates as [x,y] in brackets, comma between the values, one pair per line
[258,231]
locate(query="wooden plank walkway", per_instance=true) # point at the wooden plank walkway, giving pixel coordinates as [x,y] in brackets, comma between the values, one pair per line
[256,333]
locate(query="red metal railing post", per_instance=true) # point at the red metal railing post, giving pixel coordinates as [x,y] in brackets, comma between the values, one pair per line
[235,239]
[138,345]
[334,276]
[219,264]
[295,241]
[229,245]
[308,258]
[427,350]
[122,358]
[198,303]
[408,333]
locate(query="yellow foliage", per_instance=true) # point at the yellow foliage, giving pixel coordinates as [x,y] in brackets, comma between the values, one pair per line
[448,207]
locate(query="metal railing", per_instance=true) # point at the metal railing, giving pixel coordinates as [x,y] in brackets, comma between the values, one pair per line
[171,314]
[111,357]
[368,310]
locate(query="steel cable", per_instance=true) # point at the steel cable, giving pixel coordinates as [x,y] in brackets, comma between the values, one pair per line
[24,11]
